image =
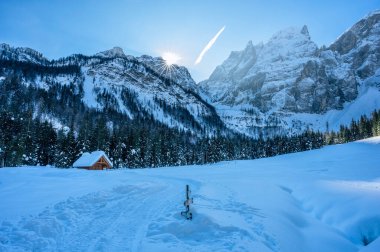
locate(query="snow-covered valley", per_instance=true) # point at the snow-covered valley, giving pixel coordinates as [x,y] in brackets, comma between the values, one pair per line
[320,200]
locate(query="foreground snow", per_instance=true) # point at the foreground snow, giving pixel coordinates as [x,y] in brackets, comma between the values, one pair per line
[322,200]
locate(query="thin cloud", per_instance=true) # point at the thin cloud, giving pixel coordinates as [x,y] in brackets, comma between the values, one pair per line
[209,45]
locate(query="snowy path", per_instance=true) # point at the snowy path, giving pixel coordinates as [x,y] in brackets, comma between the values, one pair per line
[322,200]
[140,217]
[115,220]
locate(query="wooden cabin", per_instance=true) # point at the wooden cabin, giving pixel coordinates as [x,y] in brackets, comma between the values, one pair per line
[96,160]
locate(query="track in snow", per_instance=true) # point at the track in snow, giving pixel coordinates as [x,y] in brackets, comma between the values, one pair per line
[101,221]
[139,217]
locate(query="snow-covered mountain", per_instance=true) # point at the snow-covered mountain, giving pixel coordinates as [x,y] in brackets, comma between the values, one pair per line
[283,86]
[134,86]
[289,84]
[165,92]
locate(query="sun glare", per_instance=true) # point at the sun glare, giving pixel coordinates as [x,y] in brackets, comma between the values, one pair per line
[170,58]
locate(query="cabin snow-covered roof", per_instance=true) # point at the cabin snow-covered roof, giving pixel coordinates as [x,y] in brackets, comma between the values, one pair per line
[89,159]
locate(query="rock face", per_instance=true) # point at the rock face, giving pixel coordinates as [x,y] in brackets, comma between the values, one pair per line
[263,86]
[263,75]
[289,73]
[360,46]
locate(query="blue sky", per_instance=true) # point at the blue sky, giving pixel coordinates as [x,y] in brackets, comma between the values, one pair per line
[61,28]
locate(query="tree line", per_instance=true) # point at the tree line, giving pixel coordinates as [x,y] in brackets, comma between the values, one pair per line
[26,139]
[31,131]
[29,141]
[363,128]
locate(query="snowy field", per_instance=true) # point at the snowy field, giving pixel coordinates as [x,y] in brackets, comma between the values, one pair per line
[321,200]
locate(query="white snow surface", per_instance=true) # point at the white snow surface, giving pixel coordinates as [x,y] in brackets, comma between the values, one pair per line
[89,95]
[320,200]
[89,159]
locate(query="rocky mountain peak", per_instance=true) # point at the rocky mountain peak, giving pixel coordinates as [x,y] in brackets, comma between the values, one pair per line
[21,54]
[305,31]
[116,52]
[360,46]
[291,33]
[366,30]
[4,46]
[249,46]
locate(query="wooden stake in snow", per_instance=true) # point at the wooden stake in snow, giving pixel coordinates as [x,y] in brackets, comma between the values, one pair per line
[187,214]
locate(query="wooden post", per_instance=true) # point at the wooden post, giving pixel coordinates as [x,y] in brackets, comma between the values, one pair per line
[2,158]
[187,214]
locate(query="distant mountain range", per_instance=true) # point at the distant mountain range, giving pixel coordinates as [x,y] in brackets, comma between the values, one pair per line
[284,86]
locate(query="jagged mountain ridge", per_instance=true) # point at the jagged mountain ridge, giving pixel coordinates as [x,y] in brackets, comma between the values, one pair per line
[289,84]
[134,86]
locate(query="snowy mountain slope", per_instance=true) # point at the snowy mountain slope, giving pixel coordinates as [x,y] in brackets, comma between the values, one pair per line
[134,86]
[151,90]
[271,88]
[321,200]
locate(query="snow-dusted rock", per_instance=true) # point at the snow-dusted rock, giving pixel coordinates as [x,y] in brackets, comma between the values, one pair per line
[112,53]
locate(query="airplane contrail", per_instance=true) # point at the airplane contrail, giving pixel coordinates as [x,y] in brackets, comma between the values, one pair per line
[209,45]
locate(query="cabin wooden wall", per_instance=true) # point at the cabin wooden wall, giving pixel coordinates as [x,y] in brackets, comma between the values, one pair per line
[100,165]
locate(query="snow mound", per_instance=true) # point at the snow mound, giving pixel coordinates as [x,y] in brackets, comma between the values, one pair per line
[372,140]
